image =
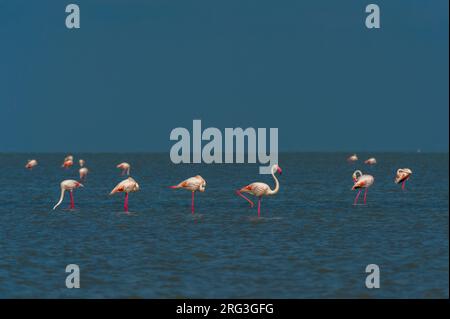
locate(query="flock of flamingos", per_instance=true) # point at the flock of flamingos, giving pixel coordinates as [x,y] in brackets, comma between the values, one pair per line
[197,183]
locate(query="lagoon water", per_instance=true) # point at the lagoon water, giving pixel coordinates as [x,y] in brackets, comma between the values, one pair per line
[310,242]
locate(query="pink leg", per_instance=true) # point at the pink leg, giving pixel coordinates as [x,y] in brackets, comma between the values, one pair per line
[403,184]
[259,206]
[365,195]
[125,206]
[72,203]
[192,203]
[244,197]
[356,198]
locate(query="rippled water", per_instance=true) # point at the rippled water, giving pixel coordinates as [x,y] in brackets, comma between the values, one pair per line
[311,242]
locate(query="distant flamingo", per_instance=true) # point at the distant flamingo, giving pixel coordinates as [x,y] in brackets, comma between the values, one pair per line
[83,173]
[31,163]
[125,167]
[261,189]
[370,161]
[68,185]
[126,186]
[68,161]
[403,174]
[81,162]
[193,184]
[352,158]
[361,181]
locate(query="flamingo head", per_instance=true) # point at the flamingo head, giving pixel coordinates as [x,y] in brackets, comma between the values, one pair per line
[356,175]
[202,187]
[277,169]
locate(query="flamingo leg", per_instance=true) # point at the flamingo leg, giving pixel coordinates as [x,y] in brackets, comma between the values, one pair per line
[244,197]
[365,195]
[125,206]
[72,203]
[192,203]
[259,206]
[356,198]
[403,184]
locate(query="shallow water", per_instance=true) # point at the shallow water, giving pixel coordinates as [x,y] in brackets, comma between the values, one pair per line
[310,242]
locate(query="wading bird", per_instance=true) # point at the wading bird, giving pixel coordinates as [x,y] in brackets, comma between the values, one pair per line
[261,189]
[370,161]
[126,186]
[125,167]
[361,181]
[352,158]
[403,174]
[81,162]
[83,173]
[193,184]
[68,185]
[68,161]
[31,163]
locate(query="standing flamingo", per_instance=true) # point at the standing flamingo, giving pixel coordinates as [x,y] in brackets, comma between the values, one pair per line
[125,167]
[83,173]
[31,163]
[126,186]
[352,158]
[68,185]
[370,161]
[81,162]
[68,161]
[261,189]
[193,184]
[361,181]
[403,174]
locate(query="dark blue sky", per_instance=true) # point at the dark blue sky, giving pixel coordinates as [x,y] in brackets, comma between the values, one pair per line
[137,69]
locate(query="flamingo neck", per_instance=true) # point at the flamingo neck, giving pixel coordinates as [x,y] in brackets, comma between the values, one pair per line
[277,185]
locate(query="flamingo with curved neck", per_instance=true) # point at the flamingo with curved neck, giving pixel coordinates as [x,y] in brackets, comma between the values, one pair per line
[259,189]
[68,185]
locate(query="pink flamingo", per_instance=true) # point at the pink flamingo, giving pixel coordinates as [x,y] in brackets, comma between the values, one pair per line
[81,162]
[352,158]
[68,185]
[361,181]
[261,189]
[126,186]
[370,161]
[193,184]
[83,173]
[403,174]
[125,167]
[31,163]
[68,161]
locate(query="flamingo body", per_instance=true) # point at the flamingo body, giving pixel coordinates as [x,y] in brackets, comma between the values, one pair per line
[370,161]
[352,158]
[31,163]
[83,172]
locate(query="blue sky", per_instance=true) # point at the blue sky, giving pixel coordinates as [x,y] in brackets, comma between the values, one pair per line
[137,69]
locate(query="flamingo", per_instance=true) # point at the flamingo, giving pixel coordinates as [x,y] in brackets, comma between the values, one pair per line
[126,186]
[68,161]
[31,163]
[370,161]
[68,185]
[125,167]
[403,174]
[361,181]
[83,173]
[352,158]
[193,184]
[81,162]
[261,189]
